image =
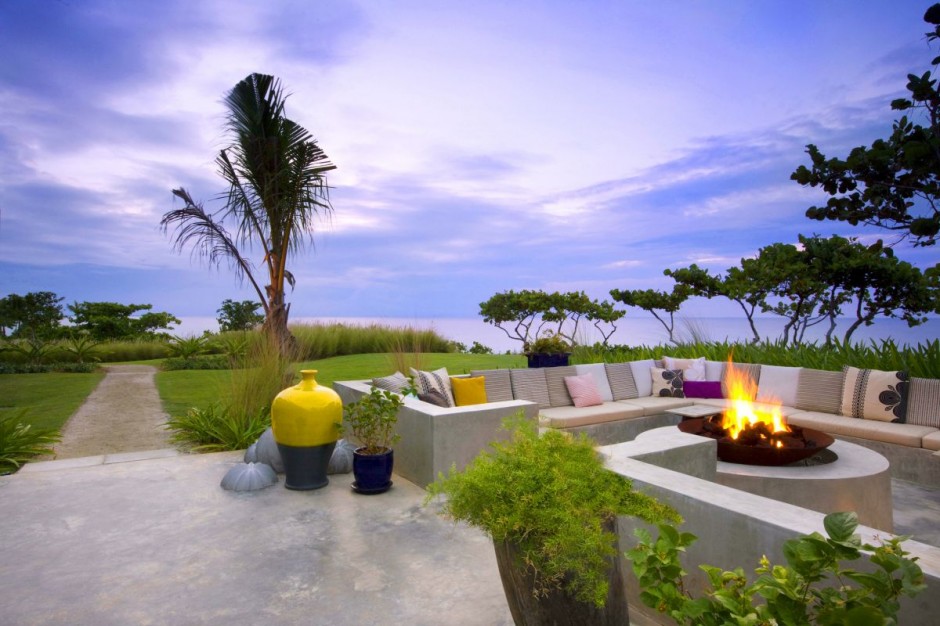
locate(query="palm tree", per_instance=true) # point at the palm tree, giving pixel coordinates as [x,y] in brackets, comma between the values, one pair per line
[277,186]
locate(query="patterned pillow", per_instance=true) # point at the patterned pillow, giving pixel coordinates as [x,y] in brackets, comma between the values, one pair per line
[667,383]
[397,382]
[692,369]
[874,394]
[439,381]
[819,390]
[530,384]
[583,390]
[923,406]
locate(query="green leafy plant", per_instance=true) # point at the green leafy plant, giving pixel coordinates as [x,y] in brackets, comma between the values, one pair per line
[217,428]
[549,343]
[550,495]
[188,347]
[82,347]
[371,420]
[814,587]
[20,441]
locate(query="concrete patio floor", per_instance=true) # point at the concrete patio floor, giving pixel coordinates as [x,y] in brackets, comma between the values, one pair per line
[151,538]
[158,541]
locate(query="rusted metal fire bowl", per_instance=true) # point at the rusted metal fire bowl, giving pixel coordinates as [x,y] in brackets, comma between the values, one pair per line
[732,452]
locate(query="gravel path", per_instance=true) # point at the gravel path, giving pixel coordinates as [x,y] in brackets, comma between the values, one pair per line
[122,414]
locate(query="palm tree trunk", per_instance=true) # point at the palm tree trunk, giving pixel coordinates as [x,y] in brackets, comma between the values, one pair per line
[275,327]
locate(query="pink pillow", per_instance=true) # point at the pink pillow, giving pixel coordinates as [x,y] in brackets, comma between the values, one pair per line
[583,390]
[702,389]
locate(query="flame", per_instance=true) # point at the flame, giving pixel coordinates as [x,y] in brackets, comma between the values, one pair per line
[742,412]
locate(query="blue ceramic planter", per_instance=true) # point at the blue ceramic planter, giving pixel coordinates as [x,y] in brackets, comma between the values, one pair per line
[373,472]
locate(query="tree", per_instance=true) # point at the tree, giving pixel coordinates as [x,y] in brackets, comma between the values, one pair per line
[239,315]
[895,183]
[518,309]
[113,321]
[35,316]
[653,301]
[277,186]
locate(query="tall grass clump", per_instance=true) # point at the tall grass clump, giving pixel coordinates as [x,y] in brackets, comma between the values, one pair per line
[320,341]
[20,441]
[243,416]
[139,350]
[921,360]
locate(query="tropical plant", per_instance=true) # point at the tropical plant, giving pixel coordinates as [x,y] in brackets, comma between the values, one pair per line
[216,428]
[33,351]
[81,346]
[277,186]
[813,588]
[550,495]
[188,347]
[895,183]
[371,420]
[20,441]
[549,343]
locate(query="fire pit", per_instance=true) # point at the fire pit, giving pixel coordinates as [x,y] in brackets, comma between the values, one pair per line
[755,433]
[759,446]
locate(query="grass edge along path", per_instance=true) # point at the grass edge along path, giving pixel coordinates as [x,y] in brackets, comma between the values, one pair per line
[51,399]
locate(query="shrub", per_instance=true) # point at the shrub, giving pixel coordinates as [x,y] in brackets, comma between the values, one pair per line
[788,594]
[208,362]
[19,441]
[216,428]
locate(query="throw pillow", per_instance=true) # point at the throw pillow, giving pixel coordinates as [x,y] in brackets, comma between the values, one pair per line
[622,384]
[667,383]
[778,383]
[923,406]
[641,378]
[702,388]
[819,390]
[555,379]
[599,372]
[469,390]
[439,381]
[531,385]
[434,397]
[498,384]
[583,390]
[397,382]
[874,394]
[692,369]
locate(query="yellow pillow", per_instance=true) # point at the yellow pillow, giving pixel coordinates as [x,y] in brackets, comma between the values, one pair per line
[469,390]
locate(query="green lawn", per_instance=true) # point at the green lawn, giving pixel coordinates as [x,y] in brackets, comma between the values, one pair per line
[50,398]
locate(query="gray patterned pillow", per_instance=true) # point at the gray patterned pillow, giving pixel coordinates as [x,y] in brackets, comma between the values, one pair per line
[819,390]
[923,407]
[397,382]
[622,384]
[530,384]
[498,384]
[557,390]
[439,381]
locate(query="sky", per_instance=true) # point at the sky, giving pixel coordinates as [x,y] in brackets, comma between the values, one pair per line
[480,147]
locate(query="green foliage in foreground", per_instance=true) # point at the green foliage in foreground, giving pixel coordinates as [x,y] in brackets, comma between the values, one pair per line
[787,595]
[217,428]
[550,495]
[922,360]
[371,420]
[20,441]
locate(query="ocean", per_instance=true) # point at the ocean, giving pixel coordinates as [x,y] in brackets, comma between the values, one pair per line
[631,330]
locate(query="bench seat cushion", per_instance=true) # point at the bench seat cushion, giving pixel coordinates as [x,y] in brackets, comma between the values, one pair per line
[932,441]
[786,411]
[654,405]
[887,432]
[570,416]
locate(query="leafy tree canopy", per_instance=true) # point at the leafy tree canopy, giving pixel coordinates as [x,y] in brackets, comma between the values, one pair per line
[894,183]
[34,316]
[239,315]
[110,320]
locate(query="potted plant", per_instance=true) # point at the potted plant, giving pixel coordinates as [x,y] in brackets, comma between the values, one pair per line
[551,508]
[371,421]
[549,350]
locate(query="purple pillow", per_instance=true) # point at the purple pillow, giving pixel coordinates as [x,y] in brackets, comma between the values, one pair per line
[703,389]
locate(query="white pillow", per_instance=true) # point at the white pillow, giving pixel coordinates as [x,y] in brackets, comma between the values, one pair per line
[778,383]
[692,369]
[599,372]
[714,370]
[641,376]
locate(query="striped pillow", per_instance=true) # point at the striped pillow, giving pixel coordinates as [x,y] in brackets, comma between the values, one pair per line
[557,390]
[397,382]
[819,390]
[874,394]
[620,377]
[530,384]
[923,402]
[438,381]
[751,369]
[497,383]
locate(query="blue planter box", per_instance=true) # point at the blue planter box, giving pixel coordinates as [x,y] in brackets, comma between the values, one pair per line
[540,359]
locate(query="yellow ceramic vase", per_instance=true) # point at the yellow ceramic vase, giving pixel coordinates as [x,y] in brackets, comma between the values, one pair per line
[305,422]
